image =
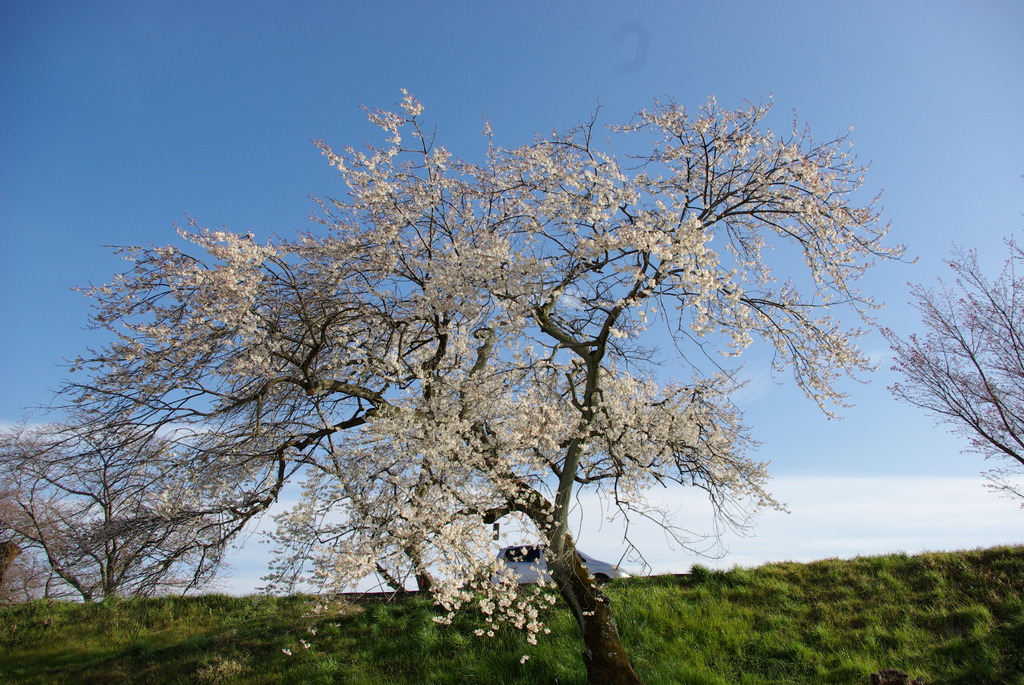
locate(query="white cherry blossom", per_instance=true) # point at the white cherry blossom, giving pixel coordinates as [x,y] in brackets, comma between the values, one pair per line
[458,344]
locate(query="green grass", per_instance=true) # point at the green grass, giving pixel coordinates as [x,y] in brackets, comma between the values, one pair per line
[950,617]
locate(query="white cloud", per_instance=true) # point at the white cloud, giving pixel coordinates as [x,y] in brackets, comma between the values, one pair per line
[845,517]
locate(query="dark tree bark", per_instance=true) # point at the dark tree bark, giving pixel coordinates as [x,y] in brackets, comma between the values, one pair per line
[604,654]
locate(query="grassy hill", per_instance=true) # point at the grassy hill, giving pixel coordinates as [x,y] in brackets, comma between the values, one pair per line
[949,617]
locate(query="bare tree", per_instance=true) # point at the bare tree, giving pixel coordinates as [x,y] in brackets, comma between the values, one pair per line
[968,366]
[97,513]
[462,344]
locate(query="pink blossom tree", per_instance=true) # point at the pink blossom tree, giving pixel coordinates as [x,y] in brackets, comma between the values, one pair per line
[97,513]
[464,343]
[967,369]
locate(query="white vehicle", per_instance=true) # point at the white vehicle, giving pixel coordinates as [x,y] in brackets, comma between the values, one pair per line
[527,562]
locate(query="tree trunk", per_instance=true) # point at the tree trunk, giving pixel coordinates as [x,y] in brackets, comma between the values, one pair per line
[604,654]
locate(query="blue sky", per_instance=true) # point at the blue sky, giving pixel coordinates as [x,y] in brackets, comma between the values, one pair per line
[118,118]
